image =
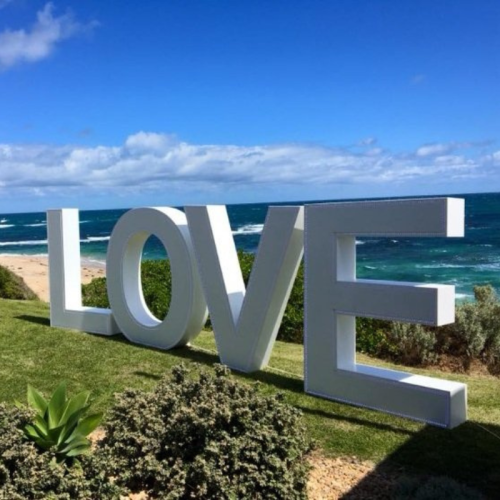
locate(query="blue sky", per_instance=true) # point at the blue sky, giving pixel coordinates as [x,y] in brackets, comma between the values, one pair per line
[171,102]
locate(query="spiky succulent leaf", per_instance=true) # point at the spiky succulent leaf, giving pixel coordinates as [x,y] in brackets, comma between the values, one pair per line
[41,426]
[88,424]
[56,405]
[31,432]
[75,404]
[78,451]
[54,434]
[77,442]
[70,426]
[36,400]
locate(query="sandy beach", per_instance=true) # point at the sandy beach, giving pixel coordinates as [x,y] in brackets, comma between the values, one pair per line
[34,270]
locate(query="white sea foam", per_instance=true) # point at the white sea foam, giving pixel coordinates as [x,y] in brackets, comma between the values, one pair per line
[369,267]
[360,242]
[22,243]
[3,221]
[442,266]
[38,224]
[91,239]
[250,229]
[5,226]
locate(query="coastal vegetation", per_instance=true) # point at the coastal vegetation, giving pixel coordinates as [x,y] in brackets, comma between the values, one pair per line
[13,286]
[473,341]
[33,352]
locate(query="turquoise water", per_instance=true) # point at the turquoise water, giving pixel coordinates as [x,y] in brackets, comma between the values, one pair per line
[463,262]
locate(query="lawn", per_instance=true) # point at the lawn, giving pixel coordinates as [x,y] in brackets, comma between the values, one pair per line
[32,352]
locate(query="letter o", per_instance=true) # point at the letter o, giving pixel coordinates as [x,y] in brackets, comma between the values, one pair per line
[188,310]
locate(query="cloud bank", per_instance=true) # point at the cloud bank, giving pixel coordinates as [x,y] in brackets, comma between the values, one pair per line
[153,162]
[39,41]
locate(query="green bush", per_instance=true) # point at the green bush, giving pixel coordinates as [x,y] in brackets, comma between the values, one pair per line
[489,311]
[410,344]
[475,334]
[156,286]
[371,336]
[206,436]
[26,473]
[466,337]
[13,286]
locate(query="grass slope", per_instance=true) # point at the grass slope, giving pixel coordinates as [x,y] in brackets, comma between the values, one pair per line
[31,351]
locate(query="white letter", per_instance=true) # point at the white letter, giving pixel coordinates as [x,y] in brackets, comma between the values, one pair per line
[66,311]
[188,312]
[245,326]
[334,297]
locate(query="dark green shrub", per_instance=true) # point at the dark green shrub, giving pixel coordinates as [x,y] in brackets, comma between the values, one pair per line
[13,286]
[206,436]
[489,312]
[95,294]
[371,336]
[26,473]
[156,286]
[467,334]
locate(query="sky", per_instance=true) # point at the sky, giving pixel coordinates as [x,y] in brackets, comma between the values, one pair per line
[107,104]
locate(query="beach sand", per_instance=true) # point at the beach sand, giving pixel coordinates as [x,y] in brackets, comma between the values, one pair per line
[34,270]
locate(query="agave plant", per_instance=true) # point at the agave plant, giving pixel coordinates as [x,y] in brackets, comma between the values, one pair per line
[60,424]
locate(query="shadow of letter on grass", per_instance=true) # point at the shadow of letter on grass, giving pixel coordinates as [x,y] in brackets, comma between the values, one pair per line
[469,454]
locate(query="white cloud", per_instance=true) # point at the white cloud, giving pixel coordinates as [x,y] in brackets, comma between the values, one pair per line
[152,162]
[38,42]
[437,149]
[434,149]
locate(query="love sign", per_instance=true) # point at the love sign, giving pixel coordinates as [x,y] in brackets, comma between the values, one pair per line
[206,277]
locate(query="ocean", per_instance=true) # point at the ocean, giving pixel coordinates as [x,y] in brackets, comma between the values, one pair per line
[463,262]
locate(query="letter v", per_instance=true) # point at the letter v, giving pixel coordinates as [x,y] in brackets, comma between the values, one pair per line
[246,323]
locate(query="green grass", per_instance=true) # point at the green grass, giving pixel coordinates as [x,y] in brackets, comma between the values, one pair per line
[32,352]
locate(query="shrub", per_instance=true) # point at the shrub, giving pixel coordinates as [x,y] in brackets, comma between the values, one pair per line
[371,336]
[489,311]
[410,344]
[95,294]
[156,288]
[467,333]
[206,436]
[13,286]
[26,473]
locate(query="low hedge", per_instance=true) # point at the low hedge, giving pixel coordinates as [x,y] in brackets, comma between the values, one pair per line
[475,335]
[207,436]
[199,434]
